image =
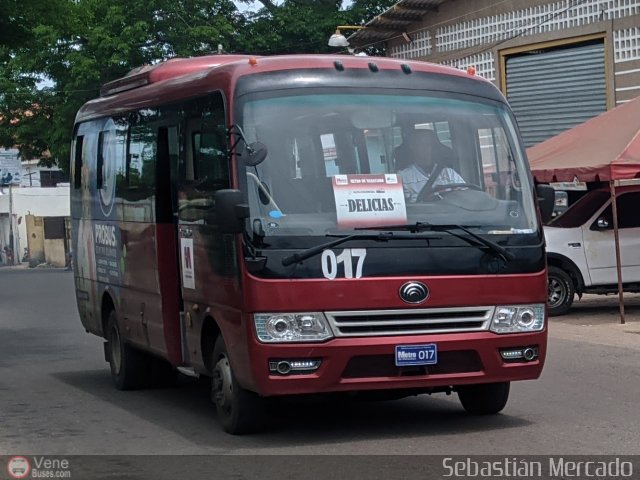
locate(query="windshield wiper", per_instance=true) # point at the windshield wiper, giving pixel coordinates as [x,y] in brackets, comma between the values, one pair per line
[310,252]
[499,250]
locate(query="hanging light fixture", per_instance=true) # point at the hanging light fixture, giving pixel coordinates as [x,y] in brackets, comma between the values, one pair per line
[338,39]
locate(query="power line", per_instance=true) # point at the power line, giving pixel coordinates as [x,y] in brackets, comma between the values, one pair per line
[553,15]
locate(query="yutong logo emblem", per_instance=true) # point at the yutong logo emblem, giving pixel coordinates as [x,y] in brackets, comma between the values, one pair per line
[414,292]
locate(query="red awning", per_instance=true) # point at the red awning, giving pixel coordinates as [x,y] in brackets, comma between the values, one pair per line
[607,147]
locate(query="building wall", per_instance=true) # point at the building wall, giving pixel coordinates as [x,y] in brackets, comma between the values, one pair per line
[35,239]
[54,252]
[42,202]
[480,33]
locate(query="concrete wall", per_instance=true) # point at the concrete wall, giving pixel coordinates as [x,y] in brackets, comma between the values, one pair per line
[484,24]
[54,252]
[42,202]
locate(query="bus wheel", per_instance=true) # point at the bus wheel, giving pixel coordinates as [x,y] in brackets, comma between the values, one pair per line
[239,410]
[484,399]
[128,366]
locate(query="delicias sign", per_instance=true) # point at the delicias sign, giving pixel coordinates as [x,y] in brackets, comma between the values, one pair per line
[369,200]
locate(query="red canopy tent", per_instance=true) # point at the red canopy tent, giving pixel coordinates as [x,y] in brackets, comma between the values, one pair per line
[605,148]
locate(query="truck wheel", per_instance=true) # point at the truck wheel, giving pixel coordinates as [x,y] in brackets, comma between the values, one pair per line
[129,367]
[485,398]
[239,410]
[560,291]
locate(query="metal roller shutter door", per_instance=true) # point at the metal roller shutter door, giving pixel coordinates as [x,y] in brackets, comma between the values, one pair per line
[555,90]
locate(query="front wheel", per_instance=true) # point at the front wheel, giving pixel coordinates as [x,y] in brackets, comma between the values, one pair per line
[484,399]
[239,410]
[560,291]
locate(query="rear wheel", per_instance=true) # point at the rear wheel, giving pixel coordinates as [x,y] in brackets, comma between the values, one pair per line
[129,367]
[560,291]
[239,410]
[484,399]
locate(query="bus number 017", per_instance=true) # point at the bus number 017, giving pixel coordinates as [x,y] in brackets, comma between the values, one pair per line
[330,262]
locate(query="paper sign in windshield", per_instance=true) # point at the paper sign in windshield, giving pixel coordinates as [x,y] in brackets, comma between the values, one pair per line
[369,200]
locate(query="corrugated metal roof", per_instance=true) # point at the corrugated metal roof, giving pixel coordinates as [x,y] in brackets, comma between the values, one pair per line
[394,21]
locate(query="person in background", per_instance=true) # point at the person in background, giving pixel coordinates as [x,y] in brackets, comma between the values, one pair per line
[8,255]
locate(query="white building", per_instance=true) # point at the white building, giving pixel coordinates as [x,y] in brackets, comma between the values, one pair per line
[19,201]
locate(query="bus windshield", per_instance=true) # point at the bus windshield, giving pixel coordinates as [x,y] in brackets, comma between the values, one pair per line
[339,161]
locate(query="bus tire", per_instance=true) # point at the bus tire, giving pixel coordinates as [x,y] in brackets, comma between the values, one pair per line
[239,410]
[560,291]
[485,398]
[129,367]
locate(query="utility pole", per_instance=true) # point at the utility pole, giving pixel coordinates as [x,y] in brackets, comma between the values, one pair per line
[11,245]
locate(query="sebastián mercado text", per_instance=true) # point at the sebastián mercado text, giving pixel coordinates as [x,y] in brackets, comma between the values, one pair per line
[558,467]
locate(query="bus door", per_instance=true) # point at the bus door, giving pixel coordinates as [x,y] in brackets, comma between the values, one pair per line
[207,257]
[166,201]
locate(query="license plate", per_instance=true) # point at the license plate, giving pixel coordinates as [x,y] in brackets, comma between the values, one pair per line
[416,355]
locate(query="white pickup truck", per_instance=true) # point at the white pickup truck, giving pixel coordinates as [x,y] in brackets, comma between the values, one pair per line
[581,247]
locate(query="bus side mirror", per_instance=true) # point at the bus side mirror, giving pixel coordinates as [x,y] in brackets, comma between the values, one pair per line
[255,153]
[546,201]
[231,211]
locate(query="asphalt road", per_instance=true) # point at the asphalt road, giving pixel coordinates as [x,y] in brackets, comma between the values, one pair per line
[56,396]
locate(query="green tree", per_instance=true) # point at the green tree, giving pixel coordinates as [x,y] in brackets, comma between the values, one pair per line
[295,26]
[87,43]
[303,26]
[75,46]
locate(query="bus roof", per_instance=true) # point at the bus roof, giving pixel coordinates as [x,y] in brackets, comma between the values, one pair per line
[189,76]
[175,67]
[178,67]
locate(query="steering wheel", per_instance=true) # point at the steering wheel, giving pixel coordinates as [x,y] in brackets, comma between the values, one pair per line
[431,191]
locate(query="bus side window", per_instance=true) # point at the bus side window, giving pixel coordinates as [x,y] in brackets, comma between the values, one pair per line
[141,160]
[100,162]
[206,159]
[211,161]
[77,163]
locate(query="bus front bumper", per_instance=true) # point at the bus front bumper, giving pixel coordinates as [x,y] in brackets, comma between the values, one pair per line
[363,364]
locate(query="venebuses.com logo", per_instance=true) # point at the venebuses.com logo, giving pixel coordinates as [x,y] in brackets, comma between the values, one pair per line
[19,466]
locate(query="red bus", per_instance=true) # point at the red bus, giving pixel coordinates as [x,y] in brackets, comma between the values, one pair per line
[270,222]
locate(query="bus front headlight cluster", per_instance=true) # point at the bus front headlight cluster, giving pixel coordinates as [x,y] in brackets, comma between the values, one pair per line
[518,319]
[291,327]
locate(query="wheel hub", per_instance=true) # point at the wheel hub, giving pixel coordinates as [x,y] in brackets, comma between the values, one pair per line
[556,292]
[222,386]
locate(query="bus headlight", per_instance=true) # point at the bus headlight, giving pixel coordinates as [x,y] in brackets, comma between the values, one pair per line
[291,327]
[518,319]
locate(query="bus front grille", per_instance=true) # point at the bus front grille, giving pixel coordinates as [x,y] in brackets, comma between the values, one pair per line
[410,322]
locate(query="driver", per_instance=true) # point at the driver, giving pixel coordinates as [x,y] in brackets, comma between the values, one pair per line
[424,155]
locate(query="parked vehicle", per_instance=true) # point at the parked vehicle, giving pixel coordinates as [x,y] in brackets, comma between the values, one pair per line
[244,218]
[581,247]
